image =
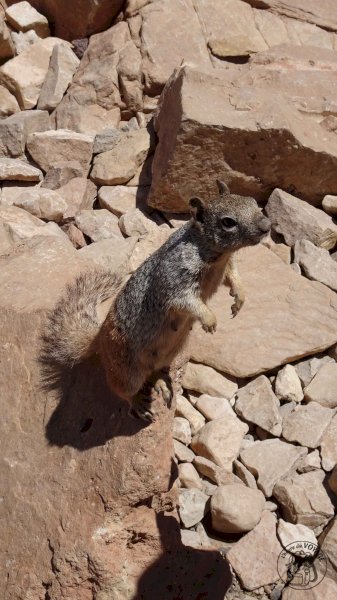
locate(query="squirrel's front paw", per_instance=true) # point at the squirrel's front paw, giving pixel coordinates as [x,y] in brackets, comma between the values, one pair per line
[237,305]
[209,322]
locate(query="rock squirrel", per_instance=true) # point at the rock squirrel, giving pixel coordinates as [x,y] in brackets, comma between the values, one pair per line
[153,312]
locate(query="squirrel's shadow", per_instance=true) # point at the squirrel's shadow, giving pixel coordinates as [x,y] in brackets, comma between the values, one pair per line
[183,572]
[87,413]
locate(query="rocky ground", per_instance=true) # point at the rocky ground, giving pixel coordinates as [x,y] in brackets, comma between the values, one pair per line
[112,115]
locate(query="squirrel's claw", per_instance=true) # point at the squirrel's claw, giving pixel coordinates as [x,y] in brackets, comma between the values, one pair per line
[162,388]
[209,323]
[141,409]
[236,306]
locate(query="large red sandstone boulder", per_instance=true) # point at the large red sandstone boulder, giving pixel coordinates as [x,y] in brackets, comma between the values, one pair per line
[258,127]
[86,508]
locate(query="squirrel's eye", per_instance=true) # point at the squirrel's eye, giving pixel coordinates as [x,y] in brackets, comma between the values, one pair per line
[229,223]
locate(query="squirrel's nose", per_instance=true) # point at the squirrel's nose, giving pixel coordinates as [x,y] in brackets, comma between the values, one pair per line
[265,224]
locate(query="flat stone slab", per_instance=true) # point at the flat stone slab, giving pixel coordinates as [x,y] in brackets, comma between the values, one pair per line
[285,317]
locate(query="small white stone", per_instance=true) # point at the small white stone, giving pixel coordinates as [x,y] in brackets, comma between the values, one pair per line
[192,506]
[185,409]
[189,477]
[182,430]
[289,533]
[288,386]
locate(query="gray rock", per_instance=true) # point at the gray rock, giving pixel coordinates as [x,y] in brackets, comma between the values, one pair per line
[288,385]
[303,499]
[220,440]
[316,263]
[296,220]
[257,403]
[322,388]
[98,224]
[192,506]
[181,430]
[307,424]
[270,461]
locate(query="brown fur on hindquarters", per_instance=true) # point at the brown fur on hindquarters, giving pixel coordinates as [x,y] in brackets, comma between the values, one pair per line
[153,312]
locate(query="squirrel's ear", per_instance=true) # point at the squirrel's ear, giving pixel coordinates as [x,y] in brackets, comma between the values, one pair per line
[222,187]
[197,208]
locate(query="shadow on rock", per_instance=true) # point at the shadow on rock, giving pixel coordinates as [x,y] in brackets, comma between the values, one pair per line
[182,572]
[87,414]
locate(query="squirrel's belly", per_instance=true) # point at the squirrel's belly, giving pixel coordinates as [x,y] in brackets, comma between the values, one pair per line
[170,340]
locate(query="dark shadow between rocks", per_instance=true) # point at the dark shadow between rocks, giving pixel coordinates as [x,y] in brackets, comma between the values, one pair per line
[87,414]
[183,572]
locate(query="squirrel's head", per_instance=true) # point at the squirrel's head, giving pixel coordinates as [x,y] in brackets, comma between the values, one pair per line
[229,221]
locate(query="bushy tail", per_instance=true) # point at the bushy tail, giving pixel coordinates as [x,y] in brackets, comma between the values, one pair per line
[73,325]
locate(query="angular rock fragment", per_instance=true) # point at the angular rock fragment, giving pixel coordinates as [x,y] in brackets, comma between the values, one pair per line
[181,430]
[21,225]
[7,49]
[303,499]
[215,473]
[182,453]
[270,461]
[322,388]
[43,203]
[311,462]
[254,557]
[307,424]
[25,74]
[192,506]
[160,56]
[135,222]
[202,378]
[329,445]
[316,263]
[22,17]
[188,476]
[98,224]
[307,369]
[298,220]
[288,385]
[257,403]
[17,170]
[15,130]
[62,66]
[185,409]
[119,165]
[48,148]
[229,28]
[220,440]
[290,532]
[93,101]
[8,103]
[213,408]
[119,199]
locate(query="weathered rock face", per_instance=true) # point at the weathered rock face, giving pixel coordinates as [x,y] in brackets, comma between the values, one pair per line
[206,123]
[24,75]
[84,18]
[322,13]
[93,100]
[296,317]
